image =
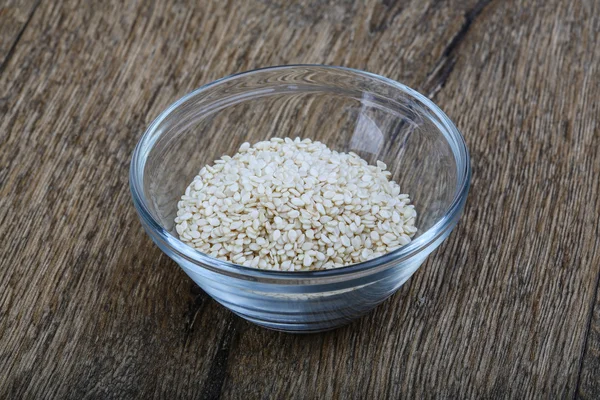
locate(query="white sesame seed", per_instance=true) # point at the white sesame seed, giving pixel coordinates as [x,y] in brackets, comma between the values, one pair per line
[236,225]
[404,239]
[345,241]
[244,147]
[388,238]
[307,261]
[297,201]
[292,236]
[294,214]
[321,209]
[286,265]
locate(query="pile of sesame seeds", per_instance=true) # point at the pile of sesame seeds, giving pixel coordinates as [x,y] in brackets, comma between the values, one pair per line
[294,205]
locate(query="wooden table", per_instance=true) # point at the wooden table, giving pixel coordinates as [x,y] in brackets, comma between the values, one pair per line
[508,306]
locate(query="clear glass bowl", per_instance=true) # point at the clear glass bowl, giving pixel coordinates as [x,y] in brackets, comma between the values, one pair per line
[348,110]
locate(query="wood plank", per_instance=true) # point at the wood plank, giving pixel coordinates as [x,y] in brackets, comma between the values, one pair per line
[89,307]
[535,96]
[14,17]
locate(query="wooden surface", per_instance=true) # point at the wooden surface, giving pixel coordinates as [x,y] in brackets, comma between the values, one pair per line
[508,306]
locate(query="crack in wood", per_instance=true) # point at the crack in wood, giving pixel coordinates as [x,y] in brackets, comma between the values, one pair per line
[586,337]
[218,367]
[470,17]
[380,18]
[12,48]
[437,78]
[194,308]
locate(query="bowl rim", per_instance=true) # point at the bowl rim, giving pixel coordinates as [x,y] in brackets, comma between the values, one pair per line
[202,260]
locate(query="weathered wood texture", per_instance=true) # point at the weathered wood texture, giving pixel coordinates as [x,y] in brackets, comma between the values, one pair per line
[589,385]
[90,308]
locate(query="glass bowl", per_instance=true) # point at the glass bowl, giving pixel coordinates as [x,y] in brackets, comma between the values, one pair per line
[348,110]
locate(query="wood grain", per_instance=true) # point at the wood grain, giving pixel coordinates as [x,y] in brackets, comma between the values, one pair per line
[90,308]
[589,379]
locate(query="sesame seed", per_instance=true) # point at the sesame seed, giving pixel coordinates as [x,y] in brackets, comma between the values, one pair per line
[345,241]
[292,236]
[297,201]
[276,235]
[307,261]
[388,238]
